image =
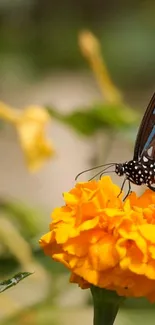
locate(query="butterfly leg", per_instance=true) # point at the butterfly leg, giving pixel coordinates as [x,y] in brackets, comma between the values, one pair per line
[122,187]
[129,190]
[151,188]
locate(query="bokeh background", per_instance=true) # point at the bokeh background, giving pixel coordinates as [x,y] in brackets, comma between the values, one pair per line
[42,63]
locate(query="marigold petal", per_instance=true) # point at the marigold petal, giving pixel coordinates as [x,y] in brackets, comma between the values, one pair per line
[70,198]
[89,224]
[77,246]
[121,247]
[150,270]
[81,282]
[61,257]
[46,239]
[64,232]
[148,232]
[103,255]
[151,250]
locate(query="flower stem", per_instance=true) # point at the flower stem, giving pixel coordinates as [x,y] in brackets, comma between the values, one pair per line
[106,305]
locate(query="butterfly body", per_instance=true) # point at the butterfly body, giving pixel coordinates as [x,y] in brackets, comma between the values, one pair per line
[138,172]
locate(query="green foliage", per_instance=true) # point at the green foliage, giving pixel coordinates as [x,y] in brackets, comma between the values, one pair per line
[136,316]
[28,219]
[136,311]
[127,37]
[8,264]
[4,285]
[137,303]
[28,222]
[97,117]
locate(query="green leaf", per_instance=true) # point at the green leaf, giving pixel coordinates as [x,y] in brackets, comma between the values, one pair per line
[117,116]
[80,121]
[97,117]
[4,285]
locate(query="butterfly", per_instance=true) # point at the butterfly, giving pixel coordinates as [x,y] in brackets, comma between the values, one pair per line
[141,169]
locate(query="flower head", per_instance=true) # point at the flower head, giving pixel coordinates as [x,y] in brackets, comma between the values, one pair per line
[104,241]
[30,125]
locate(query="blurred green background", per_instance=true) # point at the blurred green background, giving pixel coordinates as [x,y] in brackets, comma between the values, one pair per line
[41,63]
[42,35]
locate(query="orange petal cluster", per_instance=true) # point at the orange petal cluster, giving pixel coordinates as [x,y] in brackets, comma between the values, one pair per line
[104,241]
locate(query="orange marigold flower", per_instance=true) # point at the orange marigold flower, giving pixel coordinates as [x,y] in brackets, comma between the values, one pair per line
[104,241]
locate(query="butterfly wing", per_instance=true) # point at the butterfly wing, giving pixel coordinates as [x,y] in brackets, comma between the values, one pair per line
[148,154]
[146,134]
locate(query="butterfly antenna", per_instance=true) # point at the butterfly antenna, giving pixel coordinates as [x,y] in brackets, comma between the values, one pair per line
[102,172]
[93,168]
[112,171]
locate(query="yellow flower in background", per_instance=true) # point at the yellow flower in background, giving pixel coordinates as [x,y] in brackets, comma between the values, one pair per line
[31,129]
[30,124]
[104,241]
[91,49]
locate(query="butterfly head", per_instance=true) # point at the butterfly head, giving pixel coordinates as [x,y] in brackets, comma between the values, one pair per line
[119,169]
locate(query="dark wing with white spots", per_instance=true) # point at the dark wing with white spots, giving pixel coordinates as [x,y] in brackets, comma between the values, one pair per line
[146,134]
